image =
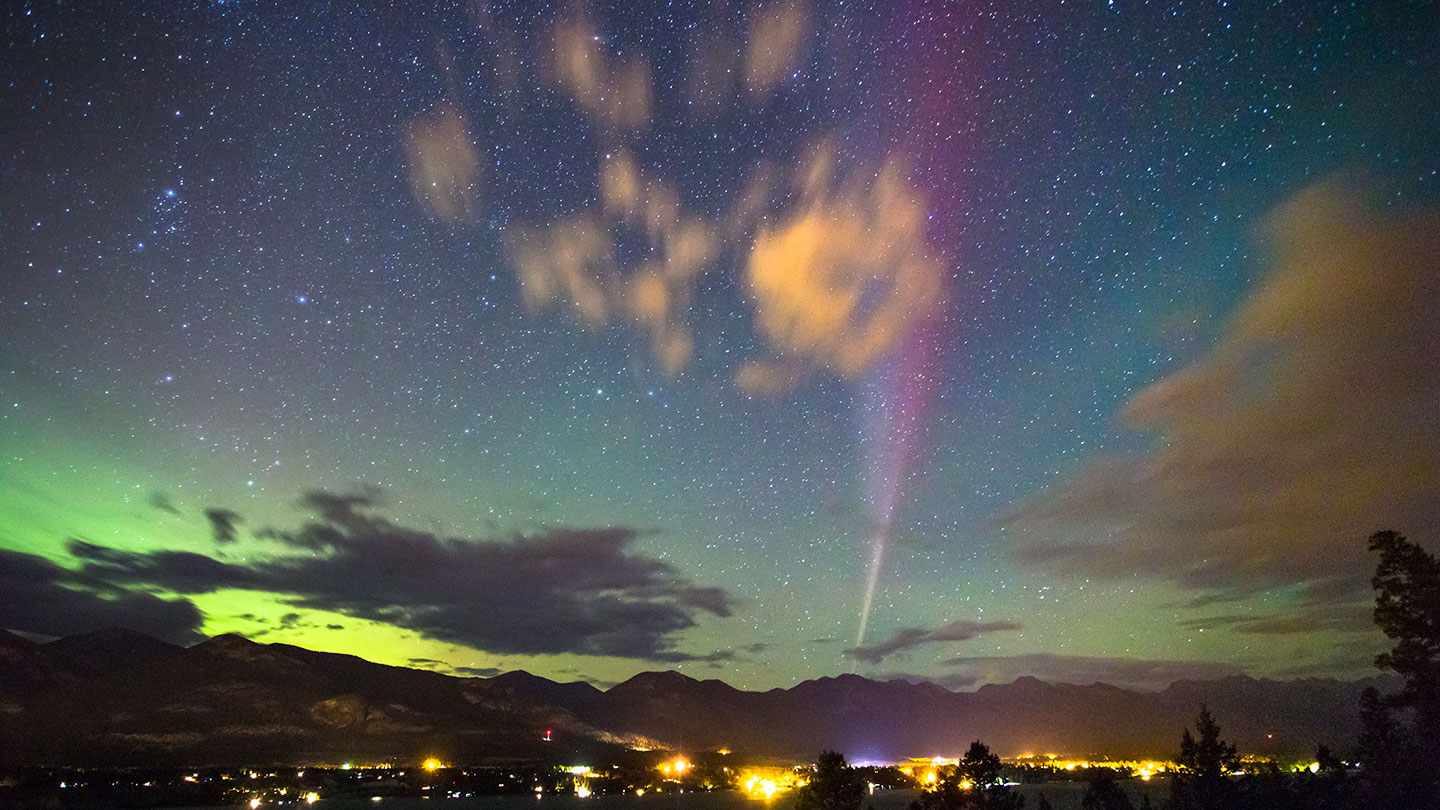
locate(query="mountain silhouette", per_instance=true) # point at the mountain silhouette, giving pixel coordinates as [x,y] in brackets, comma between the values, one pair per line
[119,697]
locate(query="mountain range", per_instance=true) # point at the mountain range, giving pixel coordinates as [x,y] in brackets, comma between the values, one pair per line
[119,697]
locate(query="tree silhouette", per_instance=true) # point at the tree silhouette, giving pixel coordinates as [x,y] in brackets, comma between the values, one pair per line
[1328,787]
[1407,609]
[975,783]
[1200,782]
[979,767]
[1104,794]
[1400,736]
[835,786]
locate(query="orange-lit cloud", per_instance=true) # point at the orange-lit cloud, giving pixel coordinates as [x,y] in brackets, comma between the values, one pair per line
[773,50]
[444,165]
[1312,423]
[835,286]
[842,281]
[836,283]
[569,262]
[615,92]
[574,262]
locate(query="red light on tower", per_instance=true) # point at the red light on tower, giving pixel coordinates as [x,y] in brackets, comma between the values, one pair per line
[547,735]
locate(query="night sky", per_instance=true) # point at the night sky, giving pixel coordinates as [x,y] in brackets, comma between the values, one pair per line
[955,341]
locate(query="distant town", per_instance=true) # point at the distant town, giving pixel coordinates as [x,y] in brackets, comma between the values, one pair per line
[640,773]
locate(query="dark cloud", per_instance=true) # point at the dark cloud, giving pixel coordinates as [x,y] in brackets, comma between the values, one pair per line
[716,657]
[1326,604]
[1310,424]
[578,591]
[179,571]
[955,680]
[38,596]
[161,501]
[436,665]
[908,638]
[223,523]
[1130,673]
[1345,661]
[477,672]
[1355,617]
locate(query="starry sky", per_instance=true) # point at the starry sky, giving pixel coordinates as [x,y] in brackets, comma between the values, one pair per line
[762,341]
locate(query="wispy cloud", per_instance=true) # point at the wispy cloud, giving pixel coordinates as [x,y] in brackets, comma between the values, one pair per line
[444,165]
[832,250]
[909,638]
[1130,673]
[223,524]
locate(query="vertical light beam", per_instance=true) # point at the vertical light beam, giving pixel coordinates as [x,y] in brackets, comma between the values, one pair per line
[872,576]
[901,393]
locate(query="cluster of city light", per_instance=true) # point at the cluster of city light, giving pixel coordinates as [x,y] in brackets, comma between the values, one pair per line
[763,782]
[583,774]
[926,770]
[759,787]
[1142,769]
[756,782]
[308,798]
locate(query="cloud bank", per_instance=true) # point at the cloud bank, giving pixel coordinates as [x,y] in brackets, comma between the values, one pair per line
[1128,673]
[1312,423]
[577,591]
[38,596]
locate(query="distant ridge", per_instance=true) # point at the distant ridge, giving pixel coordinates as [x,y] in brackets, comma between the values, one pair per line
[25,669]
[573,696]
[90,655]
[119,697]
